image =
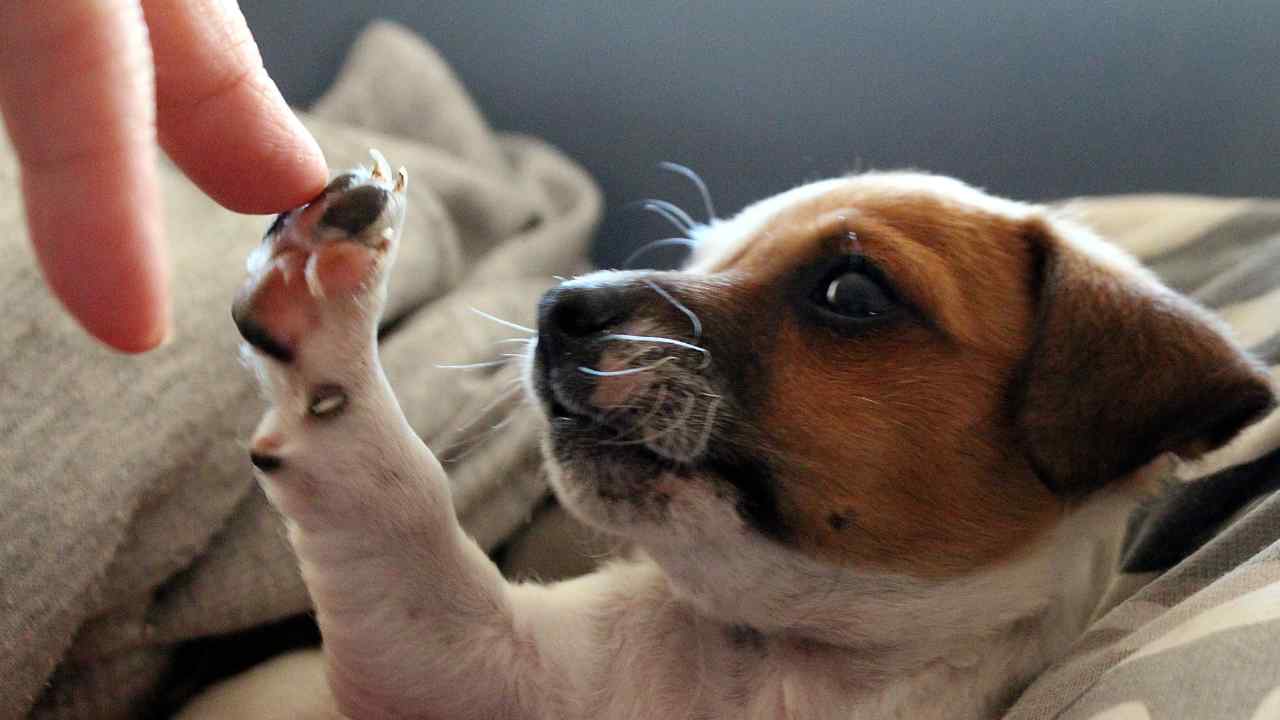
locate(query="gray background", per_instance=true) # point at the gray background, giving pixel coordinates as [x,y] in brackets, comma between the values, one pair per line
[1031,99]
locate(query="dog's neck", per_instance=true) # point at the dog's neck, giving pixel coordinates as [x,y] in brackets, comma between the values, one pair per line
[1028,610]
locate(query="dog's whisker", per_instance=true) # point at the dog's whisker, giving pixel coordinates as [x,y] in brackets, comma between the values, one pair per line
[697,180]
[636,355]
[510,393]
[510,341]
[656,339]
[697,324]
[658,418]
[706,354]
[625,438]
[664,242]
[679,424]
[624,404]
[462,450]
[666,205]
[650,406]
[488,407]
[636,427]
[464,445]
[657,405]
[634,404]
[519,353]
[472,366]
[650,356]
[504,422]
[667,215]
[629,371]
[616,410]
[508,323]
[672,422]
[466,448]
[704,438]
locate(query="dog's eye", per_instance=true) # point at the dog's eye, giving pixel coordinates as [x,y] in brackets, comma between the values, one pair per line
[856,294]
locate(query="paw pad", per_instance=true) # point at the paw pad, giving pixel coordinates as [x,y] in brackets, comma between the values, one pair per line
[337,246]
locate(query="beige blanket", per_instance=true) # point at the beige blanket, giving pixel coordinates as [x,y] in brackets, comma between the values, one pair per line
[129,520]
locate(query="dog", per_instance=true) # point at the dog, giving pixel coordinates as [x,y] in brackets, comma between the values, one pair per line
[875,445]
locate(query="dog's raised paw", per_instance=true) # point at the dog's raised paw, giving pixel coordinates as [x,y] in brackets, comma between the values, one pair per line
[328,256]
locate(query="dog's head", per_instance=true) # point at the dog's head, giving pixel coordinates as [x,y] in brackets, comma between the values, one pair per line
[890,372]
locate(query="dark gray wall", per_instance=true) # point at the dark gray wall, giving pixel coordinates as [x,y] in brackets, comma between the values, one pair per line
[1032,99]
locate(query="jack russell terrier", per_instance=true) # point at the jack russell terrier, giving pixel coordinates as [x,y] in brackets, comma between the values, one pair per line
[872,443]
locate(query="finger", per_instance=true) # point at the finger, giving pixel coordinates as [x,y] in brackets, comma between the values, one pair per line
[76,93]
[221,119]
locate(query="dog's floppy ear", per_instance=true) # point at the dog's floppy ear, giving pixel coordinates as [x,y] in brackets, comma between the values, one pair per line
[1121,370]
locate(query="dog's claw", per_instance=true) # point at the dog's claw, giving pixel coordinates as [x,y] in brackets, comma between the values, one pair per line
[313,277]
[402,180]
[381,168]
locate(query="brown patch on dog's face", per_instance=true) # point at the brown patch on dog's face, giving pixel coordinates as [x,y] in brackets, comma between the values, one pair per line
[889,438]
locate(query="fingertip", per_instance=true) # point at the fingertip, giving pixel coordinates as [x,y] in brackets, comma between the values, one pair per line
[266,160]
[132,340]
[150,324]
[222,118]
[309,172]
[131,317]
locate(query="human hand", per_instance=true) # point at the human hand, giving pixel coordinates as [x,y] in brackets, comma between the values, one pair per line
[87,87]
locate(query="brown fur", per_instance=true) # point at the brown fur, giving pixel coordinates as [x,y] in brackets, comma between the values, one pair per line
[1144,370]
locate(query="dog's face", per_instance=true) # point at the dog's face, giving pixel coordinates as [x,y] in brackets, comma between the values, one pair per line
[891,372]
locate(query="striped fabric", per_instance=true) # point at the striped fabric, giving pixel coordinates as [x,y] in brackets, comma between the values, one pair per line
[1192,631]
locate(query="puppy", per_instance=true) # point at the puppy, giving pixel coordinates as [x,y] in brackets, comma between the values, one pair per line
[875,443]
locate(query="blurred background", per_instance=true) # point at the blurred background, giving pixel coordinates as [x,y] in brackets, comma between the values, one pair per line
[1036,100]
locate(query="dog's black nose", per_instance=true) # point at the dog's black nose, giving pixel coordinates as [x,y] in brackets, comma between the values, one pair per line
[566,314]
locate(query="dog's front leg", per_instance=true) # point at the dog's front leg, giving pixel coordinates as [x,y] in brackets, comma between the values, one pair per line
[417,622]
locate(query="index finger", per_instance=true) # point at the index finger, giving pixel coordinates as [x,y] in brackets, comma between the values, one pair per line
[220,117]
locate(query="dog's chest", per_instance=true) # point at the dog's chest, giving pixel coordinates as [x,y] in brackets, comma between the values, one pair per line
[936,694]
[712,674]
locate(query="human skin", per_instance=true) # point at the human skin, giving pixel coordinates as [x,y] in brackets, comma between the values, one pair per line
[88,90]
